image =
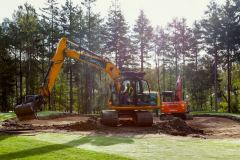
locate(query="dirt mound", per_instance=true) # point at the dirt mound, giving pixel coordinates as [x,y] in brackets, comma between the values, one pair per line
[209,127]
[217,127]
[90,124]
[177,127]
[14,125]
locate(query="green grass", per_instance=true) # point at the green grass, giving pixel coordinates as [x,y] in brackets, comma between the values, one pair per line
[69,146]
[73,146]
[154,148]
[9,115]
[5,116]
[22,147]
[215,113]
[48,113]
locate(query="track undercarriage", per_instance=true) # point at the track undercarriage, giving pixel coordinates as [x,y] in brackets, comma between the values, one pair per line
[184,116]
[139,118]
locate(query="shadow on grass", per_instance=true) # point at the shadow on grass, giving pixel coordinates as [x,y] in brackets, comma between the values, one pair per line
[98,141]
[32,152]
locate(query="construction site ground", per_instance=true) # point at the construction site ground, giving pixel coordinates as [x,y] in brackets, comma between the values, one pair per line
[199,127]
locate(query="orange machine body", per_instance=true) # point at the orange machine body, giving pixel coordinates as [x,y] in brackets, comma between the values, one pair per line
[177,107]
[172,102]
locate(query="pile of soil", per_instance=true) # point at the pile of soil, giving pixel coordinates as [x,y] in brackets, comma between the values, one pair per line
[177,127]
[91,124]
[69,122]
[203,127]
[66,122]
[15,125]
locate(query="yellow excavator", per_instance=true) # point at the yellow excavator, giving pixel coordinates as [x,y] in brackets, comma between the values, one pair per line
[134,105]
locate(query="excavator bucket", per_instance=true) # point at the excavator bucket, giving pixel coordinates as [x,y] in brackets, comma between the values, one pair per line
[27,110]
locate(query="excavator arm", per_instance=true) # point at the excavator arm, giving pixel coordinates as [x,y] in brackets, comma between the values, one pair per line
[84,56]
[28,109]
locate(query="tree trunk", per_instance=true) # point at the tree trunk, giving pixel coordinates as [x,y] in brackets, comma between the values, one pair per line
[164,75]
[16,77]
[142,49]
[215,78]
[71,89]
[176,65]
[183,79]
[157,70]
[196,61]
[20,76]
[229,80]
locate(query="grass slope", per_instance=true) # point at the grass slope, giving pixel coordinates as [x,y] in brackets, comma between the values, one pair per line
[22,147]
[215,113]
[154,148]
[5,116]
[9,115]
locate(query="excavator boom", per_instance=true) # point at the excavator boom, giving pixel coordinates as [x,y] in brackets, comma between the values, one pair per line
[28,109]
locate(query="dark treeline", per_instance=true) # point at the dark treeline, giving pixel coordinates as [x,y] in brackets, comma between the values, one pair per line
[205,54]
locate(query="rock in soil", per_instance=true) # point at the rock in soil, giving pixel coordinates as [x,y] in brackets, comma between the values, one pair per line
[13,124]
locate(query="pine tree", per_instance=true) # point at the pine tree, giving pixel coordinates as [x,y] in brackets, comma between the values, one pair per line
[69,26]
[50,22]
[7,73]
[211,32]
[143,35]
[92,42]
[229,18]
[117,39]
[161,42]
[180,35]
[26,21]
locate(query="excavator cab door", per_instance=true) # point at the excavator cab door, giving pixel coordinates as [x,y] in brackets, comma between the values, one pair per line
[142,93]
[134,92]
[114,98]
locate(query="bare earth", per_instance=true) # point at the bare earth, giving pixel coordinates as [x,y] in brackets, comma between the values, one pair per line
[202,127]
[216,127]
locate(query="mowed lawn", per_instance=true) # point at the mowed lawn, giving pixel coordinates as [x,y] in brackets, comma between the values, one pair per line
[154,148]
[9,115]
[74,146]
[25,147]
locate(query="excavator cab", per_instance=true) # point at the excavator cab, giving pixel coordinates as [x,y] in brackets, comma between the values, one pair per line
[132,102]
[134,91]
[167,96]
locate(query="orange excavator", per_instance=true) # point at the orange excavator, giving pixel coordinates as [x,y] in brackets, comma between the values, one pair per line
[173,104]
[130,93]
